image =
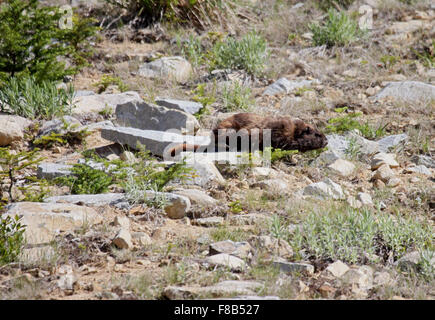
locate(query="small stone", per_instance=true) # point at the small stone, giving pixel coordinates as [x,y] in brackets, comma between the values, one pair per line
[342,167]
[337,269]
[226,260]
[379,184]
[324,189]
[354,203]
[292,267]
[327,291]
[123,222]
[383,173]
[394,182]
[209,222]
[241,250]
[409,261]
[128,156]
[123,240]
[361,277]
[423,160]
[384,158]
[382,279]
[421,169]
[365,198]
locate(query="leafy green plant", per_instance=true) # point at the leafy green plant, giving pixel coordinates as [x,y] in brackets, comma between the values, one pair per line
[338,30]
[354,235]
[36,192]
[28,98]
[237,97]
[70,136]
[277,227]
[427,55]
[107,80]
[86,180]
[277,154]
[250,53]
[11,238]
[192,50]
[32,41]
[12,165]
[350,122]
[236,207]
[389,61]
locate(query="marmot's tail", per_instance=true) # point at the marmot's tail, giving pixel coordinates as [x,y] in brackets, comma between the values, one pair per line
[183,147]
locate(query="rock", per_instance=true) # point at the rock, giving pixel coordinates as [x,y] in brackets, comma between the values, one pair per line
[419,169]
[409,91]
[100,102]
[97,126]
[127,156]
[204,170]
[175,206]
[342,167]
[12,129]
[248,219]
[45,220]
[384,158]
[339,145]
[197,197]
[407,26]
[143,238]
[182,105]
[173,68]
[283,85]
[382,279]
[242,250]
[61,126]
[362,277]
[53,170]
[389,142]
[83,93]
[209,222]
[324,189]
[409,261]
[365,198]
[337,269]
[123,239]
[383,173]
[292,267]
[326,290]
[226,260]
[92,200]
[146,116]
[67,278]
[423,160]
[393,182]
[274,185]
[264,172]
[155,141]
[278,247]
[354,203]
[221,289]
[122,222]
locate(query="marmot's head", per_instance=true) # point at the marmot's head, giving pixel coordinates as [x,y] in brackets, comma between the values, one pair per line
[307,137]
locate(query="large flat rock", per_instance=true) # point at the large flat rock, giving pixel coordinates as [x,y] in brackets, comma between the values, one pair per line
[147,116]
[44,220]
[99,102]
[409,91]
[154,141]
[88,199]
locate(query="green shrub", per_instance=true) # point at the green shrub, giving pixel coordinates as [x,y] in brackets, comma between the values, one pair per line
[349,122]
[11,239]
[107,80]
[32,41]
[355,235]
[237,97]
[250,53]
[12,165]
[338,30]
[68,137]
[28,98]
[192,50]
[86,180]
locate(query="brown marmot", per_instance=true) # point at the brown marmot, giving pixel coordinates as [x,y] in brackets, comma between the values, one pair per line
[286,133]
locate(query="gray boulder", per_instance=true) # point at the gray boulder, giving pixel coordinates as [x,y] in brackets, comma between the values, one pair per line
[182,105]
[172,68]
[409,91]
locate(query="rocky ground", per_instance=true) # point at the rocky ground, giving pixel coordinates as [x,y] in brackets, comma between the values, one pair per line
[290,231]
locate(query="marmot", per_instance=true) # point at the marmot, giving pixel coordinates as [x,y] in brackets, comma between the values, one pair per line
[286,133]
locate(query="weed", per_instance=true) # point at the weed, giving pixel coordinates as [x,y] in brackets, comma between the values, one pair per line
[225,233]
[277,227]
[107,80]
[249,53]
[13,164]
[427,55]
[70,136]
[27,98]
[11,238]
[86,180]
[236,207]
[327,4]
[192,50]
[339,30]
[237,97]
